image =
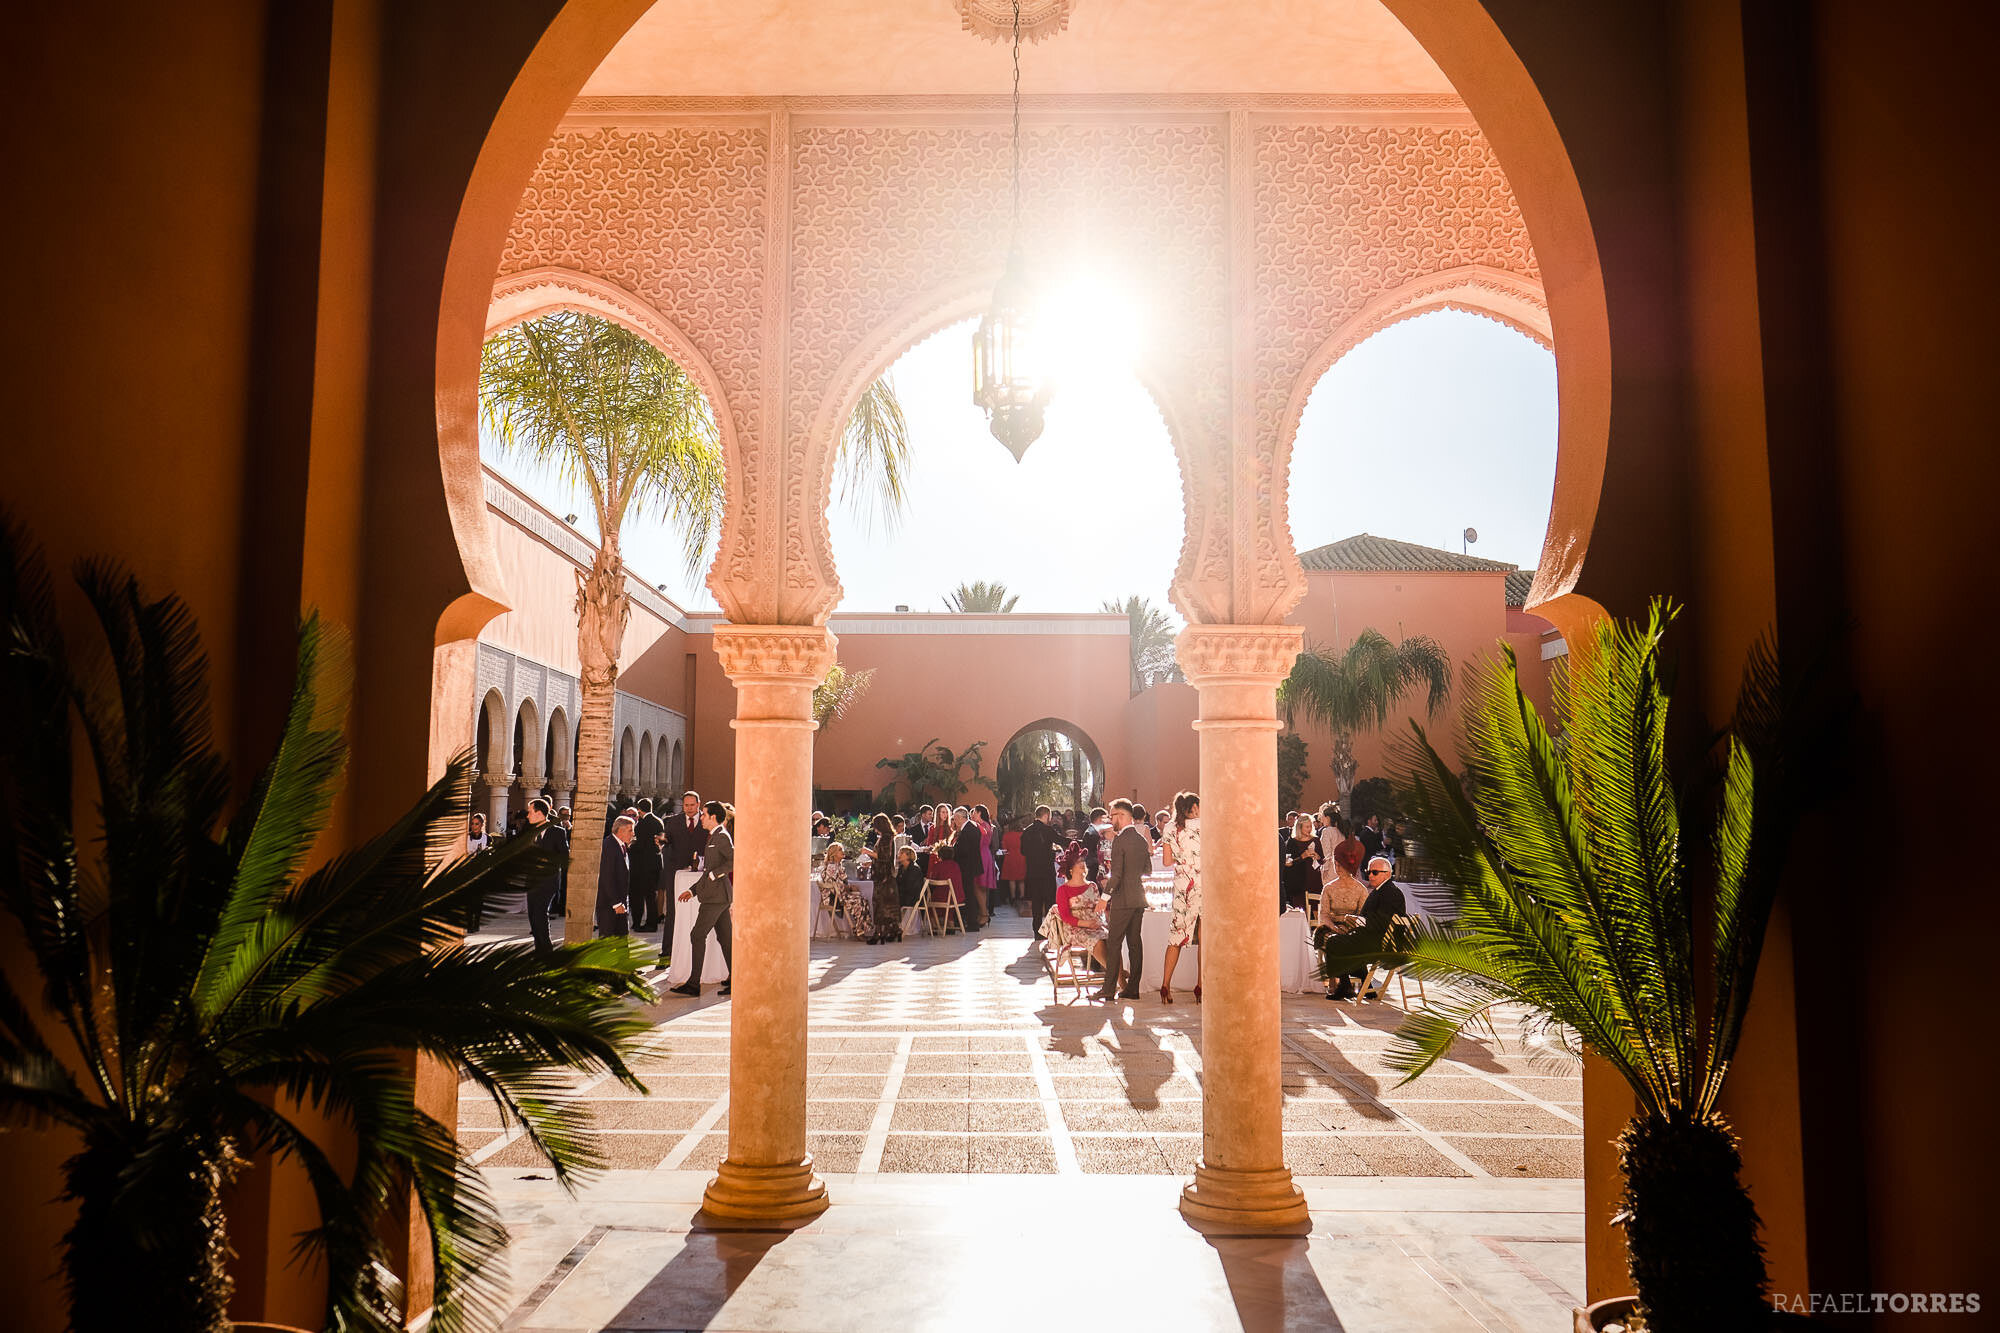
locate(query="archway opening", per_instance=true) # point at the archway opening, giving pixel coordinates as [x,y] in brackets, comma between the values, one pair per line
[1050,762]
[1419,492]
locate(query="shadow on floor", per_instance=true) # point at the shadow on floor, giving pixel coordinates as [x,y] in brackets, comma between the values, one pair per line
[1272,1284]
[694,1285]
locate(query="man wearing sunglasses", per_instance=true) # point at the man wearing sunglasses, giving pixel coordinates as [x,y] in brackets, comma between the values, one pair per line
[1380,909]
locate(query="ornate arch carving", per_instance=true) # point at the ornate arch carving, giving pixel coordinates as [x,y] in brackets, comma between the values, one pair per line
[1479,289]
[808,536]
[519,297]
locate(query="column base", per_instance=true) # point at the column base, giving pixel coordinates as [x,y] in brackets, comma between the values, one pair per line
[762,1198]
[1228,1202]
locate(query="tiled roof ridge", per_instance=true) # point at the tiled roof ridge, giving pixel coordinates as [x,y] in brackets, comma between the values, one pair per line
[1364,552]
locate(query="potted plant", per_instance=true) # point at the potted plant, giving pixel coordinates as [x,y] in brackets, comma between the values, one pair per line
[1578,896]
[197,981]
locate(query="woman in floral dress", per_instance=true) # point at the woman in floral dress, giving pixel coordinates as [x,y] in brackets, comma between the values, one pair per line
[1183,848]
[837,892]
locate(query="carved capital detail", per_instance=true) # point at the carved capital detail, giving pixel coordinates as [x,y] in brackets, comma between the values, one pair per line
[801,654]
[1223,653]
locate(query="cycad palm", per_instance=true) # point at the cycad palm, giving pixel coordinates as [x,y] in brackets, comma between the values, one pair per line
[1572,890]
[980,597]
[613,415]
[204,982]
[1355,690]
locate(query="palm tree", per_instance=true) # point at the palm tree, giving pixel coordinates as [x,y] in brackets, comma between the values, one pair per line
[614,416]
[201,983]
[978,597]
[1152,637]
[1575,896]
[836,694]
[1355,690]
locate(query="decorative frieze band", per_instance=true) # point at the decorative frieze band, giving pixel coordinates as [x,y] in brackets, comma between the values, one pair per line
[1214,653]
[793,653]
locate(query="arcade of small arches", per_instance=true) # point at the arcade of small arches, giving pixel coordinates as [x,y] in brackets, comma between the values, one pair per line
[526,743]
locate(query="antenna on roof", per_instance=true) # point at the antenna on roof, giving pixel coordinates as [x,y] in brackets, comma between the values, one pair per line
[1471,536]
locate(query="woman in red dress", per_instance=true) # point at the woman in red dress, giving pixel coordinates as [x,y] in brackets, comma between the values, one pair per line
[942,867]
[1014,869]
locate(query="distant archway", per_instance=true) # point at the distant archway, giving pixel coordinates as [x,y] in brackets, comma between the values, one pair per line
[676,772]
[626,772]
[559,755]
[492,741]
[1050,762]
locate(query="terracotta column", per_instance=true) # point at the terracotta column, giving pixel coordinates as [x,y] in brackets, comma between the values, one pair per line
[767,1177]
[1242,1184]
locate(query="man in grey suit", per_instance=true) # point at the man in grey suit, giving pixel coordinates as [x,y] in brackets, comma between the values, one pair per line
[712,891]
[614,880]
[1125,902]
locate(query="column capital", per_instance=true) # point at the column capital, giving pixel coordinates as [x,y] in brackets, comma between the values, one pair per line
[1238,654]
[775,654]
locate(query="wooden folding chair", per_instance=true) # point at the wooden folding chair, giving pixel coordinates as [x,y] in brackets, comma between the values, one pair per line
[942,909]
[919,911]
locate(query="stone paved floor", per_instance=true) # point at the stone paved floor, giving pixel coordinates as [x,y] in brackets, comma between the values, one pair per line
[962,1117]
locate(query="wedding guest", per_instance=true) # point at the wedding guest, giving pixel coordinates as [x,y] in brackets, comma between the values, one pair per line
[614,880]
[552,838]
[476,840]
[1125,899]
[684,840]
[1340,903]
[1328,829]
[1038,852]
[712,891]
[884,868]
[1079,906]
[943,869]
[966,852]
[989,866]
[840,896]
[1092,838]
[1385,902]
[1014,868]
[1370,834]
[1298,879]
[646,866]
[1183,853]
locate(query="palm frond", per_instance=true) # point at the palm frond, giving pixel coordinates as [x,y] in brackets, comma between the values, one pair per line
[874,458]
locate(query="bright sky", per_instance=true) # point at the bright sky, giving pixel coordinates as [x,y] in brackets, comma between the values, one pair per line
[1437,424]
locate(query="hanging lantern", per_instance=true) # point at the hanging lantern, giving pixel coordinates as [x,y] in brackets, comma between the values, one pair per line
[1007,375]
[1007,378]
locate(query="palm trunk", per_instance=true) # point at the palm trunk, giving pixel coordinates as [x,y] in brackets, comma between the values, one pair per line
[1345,768]
[149,1249]
[1690,1227]
[602,608]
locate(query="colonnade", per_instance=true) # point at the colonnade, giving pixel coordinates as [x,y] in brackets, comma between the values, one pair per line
[1242,1184]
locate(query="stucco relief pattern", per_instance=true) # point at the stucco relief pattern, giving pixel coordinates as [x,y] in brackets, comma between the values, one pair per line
[884,215]
[893,220]
[1344,213]
[1210,653]
[798,654]
[675,215]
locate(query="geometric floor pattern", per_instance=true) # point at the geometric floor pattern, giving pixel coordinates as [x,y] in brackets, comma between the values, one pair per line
[965,1121]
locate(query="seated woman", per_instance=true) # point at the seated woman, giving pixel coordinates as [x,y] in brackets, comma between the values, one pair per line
[1340,906]
[838,894]
[1079,909]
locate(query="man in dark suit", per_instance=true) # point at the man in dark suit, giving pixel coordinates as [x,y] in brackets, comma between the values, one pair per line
[1125,902]
[684,840]
[552,838]
[646,867]
[614,880]
[1040,844]
[965,851]
[1370,834]
[713,892]
[1379,910]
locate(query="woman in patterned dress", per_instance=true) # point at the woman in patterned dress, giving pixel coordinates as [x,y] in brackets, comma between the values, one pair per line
[837,892]
[887,865]
[1183,849]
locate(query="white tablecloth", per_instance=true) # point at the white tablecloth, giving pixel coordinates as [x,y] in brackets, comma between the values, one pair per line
[1298,965]
[1187,969]
[712,966]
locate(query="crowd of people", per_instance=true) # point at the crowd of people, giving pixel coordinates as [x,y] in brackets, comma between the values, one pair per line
[1079,875]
